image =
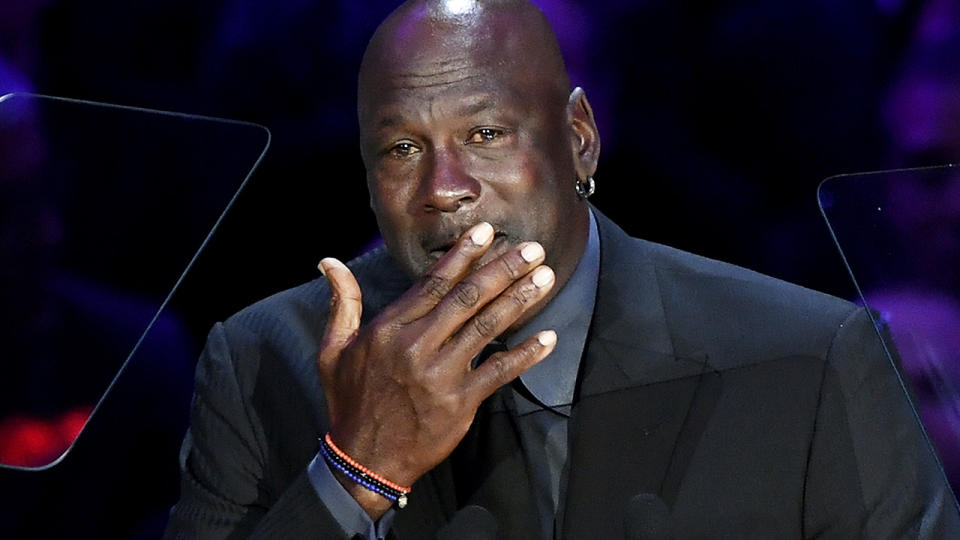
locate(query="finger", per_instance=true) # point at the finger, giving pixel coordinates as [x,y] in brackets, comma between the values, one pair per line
[445,273]
[343,321]
[477,289]
[501,368]
[500,314]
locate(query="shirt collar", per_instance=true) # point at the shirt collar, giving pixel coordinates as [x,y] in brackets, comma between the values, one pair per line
[553,381]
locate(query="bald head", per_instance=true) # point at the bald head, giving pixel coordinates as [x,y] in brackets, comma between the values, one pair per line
[433,42]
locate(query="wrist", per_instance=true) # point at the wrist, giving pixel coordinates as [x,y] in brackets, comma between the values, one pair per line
[373,504]
[366,448]
[372,491]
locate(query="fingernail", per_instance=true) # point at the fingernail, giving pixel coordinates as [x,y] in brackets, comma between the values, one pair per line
[542,277]
[531,252]
[481,233]
[328,261]
[547,338]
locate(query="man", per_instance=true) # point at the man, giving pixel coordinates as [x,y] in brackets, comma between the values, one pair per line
[653,392]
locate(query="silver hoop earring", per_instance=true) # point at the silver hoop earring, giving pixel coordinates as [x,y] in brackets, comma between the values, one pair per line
[585,188]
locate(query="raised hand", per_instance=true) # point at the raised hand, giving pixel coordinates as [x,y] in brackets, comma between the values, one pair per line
[401,391]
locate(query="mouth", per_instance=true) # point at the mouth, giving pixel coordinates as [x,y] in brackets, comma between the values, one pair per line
[497,247]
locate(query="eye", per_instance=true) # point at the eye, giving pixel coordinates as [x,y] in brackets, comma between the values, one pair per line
[484,135]
[403,149]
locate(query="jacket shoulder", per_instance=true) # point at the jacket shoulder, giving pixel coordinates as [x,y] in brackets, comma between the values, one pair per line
[692,305]
[756,289]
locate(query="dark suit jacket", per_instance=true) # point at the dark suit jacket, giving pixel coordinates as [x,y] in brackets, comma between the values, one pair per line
[712,401]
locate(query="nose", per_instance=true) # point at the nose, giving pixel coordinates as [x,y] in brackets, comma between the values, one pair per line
[447,185]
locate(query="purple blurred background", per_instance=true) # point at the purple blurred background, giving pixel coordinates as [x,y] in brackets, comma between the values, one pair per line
[718,121]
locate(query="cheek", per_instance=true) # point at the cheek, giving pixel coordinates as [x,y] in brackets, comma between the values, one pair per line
[388,202]
[518,175]
[390,192]
[540,187]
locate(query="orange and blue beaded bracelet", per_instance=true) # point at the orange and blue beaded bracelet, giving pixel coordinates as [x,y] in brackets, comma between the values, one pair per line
[353,470]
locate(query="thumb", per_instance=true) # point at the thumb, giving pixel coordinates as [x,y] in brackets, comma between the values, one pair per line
[343,321]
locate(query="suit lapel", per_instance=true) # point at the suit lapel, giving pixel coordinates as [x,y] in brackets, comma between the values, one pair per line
[640,406]
[491,469]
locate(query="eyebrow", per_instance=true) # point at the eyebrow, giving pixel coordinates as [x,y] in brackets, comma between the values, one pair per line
[476,106]
[468,107]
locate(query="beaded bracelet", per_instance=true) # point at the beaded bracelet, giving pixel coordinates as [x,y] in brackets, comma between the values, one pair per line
[375,485]
[336,457]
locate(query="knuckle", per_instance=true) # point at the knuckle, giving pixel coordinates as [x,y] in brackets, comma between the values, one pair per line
[379,330]
[441,403]
[466,294]
[399,355]
[437,380]
[431,376]
[487,324]
[521,295]
[452,401]
[510,267]
[501,371]
[434,286]
[409,354]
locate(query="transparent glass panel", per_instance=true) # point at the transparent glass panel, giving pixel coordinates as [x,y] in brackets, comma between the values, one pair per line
[899,234]
[103,208]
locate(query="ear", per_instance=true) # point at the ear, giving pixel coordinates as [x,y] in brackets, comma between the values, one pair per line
[585,139]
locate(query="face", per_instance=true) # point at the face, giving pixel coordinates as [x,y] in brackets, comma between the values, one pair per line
[457,135]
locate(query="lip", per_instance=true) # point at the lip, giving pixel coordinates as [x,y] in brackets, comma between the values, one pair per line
[497,248]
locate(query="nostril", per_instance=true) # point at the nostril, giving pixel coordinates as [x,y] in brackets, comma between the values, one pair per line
[452,198]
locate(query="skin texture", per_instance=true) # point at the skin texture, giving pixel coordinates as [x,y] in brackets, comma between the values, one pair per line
[472,142]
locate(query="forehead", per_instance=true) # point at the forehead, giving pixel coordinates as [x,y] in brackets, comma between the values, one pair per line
[460,85]
[464,93]
[421,62]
